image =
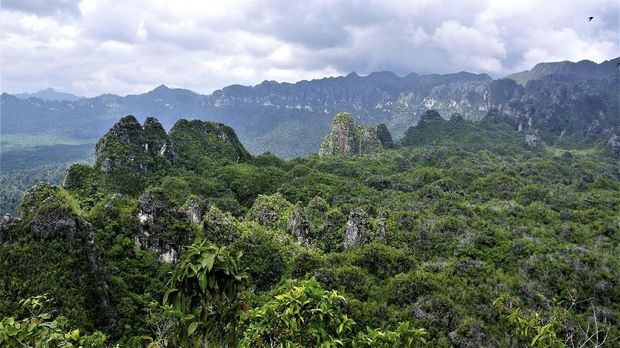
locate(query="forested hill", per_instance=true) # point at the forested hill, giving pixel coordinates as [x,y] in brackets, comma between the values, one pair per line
[463,233]
[568,99]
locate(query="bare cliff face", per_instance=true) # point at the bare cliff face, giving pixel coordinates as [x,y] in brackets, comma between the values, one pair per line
[347,137]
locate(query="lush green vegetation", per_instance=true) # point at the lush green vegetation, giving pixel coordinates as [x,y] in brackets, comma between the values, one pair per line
[13,184]
[25,161]
[32,157]
[468,238]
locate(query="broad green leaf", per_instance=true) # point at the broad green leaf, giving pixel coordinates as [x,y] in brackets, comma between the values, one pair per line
[192,327]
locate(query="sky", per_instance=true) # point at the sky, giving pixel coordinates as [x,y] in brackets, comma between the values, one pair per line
[90,47]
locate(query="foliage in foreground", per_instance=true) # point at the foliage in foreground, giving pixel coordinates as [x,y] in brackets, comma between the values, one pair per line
[446,230]
[39,329]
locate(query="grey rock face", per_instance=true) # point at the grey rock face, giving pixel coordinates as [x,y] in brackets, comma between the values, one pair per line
[429,117]
[72,178]
[347,137]
[133,147]
[7,224]
[149,206]
[467,266]
[299,227]
[532,139]
[155,141]
[110,203]
[473,336]
[437,311]
[52,217]
[503,91]
[193,211]
[381,233]
[613,146]
[55,223]
[356,229]
[153,213]
[265,216]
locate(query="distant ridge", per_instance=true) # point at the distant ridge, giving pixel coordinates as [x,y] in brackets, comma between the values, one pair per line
[291,119]
[583,68]
[49,94]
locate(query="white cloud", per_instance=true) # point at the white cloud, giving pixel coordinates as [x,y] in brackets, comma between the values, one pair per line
[90,47]
[470,48]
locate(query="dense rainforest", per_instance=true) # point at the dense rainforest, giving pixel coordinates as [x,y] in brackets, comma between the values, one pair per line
[462,233]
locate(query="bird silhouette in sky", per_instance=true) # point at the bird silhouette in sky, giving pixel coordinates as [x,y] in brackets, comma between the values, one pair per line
[590,19]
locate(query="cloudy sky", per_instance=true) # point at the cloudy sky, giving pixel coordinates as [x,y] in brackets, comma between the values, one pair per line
[90,47]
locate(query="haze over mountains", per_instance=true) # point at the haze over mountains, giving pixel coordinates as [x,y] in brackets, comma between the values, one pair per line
[560,99]
[49,94]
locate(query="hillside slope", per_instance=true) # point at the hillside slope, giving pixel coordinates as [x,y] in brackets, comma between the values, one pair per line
[468,230]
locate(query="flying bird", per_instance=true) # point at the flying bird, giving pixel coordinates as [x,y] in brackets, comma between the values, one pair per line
[590,19]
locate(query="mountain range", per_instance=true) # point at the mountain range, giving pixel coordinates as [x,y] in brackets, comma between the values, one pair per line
[49,94]
[562,99]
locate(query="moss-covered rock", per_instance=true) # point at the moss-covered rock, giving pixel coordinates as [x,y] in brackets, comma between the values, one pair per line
[299,227]
[356,229]
[55,252]
[271,211]
[613,146]
[384,136]
[164,227]
[220,227]
[347,137]
[201,144]
[129,150]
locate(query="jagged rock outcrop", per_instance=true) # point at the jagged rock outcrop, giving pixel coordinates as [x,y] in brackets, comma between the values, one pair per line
[495,116]
[130,151]
[429,117]
[48,213]
[384,135]
[149,206]
[503,91]
[60,223]
[347,137]
[198,141]
[129,147]
[381,230]
[155,141]
[456,118]
[51,213]
[299,227]
[7,224]
[73,177]
[220,227]
[356,229]
[112,200]
[164,228]
[193,211]
[533,139]
[613,146]
[271,210]
[469,335]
